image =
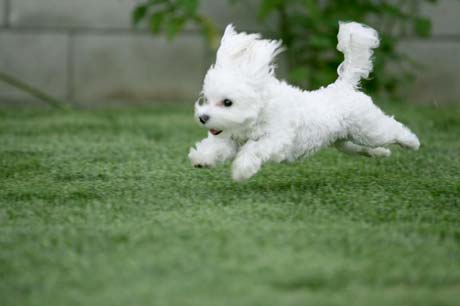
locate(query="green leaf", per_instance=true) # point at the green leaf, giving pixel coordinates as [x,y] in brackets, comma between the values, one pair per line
[312,8]
[392,10]
[422,26]
[156,21]
[267,6]
[322,42]
[299,75]
[139,13]
[209,30]
[189,7]
[174,26]
[153,2]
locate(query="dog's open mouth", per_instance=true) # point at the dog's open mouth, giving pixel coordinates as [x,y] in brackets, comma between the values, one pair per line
[215,132]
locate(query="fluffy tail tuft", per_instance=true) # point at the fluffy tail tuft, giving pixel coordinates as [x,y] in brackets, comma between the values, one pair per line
[356,42]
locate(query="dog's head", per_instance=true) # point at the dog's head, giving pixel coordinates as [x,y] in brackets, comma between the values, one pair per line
[234,87]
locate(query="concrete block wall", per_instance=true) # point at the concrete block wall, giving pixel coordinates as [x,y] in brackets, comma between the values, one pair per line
[86,52]
[438,81]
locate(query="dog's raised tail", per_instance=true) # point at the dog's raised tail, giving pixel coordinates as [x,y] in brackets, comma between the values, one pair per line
[356,41]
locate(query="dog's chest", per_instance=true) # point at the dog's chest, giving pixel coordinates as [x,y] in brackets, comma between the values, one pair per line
[241,137]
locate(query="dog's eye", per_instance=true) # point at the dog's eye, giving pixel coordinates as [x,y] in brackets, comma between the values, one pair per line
[227,103]
[201,100]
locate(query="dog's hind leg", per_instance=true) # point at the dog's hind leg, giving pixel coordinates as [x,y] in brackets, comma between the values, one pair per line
[349,147]
[378,130]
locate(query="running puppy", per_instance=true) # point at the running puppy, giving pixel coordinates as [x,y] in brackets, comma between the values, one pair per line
[252,117]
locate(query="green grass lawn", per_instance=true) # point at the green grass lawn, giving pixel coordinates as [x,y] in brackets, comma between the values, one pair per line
[103,208]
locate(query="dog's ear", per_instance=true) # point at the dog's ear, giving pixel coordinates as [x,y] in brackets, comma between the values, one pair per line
[247,52]
[234,47]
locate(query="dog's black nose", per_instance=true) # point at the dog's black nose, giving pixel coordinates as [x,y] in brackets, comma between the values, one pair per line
[204,118]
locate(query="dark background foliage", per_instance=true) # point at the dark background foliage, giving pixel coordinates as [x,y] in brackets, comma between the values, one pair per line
[308,29]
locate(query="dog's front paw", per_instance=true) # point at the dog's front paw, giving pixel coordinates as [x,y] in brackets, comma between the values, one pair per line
[200,160]
[245,167]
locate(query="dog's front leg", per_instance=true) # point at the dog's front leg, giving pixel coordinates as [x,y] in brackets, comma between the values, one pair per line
[253,154]
[211,151]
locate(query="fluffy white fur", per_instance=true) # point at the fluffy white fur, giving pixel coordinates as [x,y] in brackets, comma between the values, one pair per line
[270,120]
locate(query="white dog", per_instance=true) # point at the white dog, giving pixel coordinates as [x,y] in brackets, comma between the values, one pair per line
[253,118]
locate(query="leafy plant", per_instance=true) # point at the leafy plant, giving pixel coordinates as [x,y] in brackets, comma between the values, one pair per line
[308,29]
[171,16]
